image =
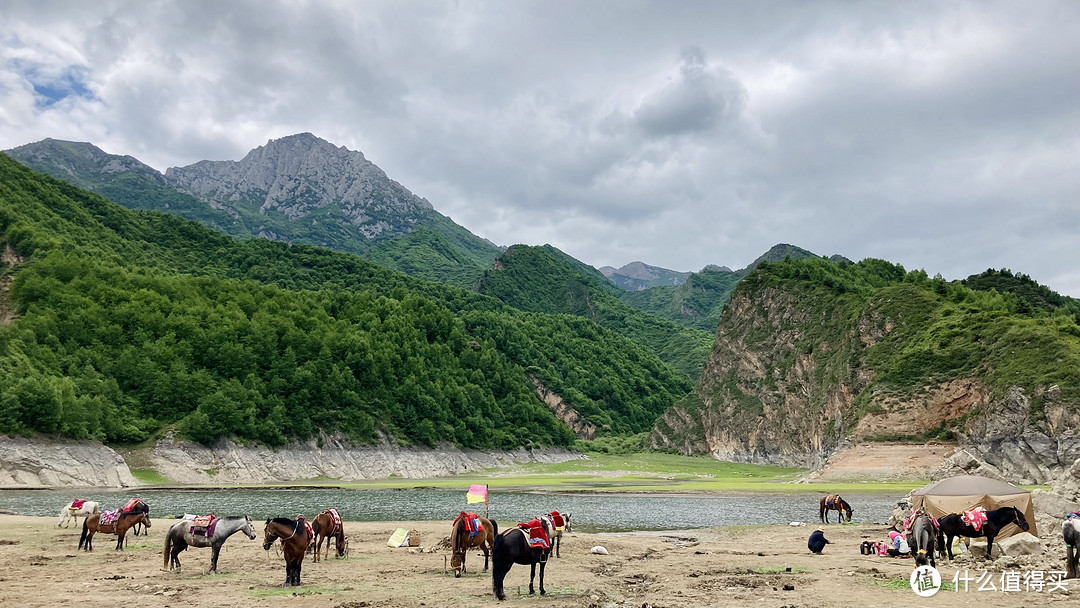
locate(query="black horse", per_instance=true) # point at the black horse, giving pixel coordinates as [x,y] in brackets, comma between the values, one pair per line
[922,539]
[952,525]
[137,505]
[512,547]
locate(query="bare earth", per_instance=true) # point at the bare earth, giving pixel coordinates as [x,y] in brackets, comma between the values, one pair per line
[884,461]
[734,566]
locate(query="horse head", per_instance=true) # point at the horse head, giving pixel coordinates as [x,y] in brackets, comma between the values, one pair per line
[249,528]
[144,519]
[457,546]
[1020,520]
[268,536]
[847,510]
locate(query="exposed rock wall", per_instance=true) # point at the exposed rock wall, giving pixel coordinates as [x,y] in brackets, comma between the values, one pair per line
[25,462]
[229,463]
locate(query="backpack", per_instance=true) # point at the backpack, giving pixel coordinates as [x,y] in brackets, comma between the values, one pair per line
[868,548]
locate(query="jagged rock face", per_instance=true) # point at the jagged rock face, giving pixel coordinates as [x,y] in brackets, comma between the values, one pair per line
[301,174]
[758,399]
[61,464]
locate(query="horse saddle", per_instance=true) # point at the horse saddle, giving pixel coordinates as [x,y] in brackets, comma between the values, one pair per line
[109,517]
[832,500]
[131,505]
[557,520]
[335,519]
[77,504]
[203,525]
[472,522]
[534,531]
[975,518]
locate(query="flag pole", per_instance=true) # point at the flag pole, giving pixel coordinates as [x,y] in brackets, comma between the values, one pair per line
[486,498]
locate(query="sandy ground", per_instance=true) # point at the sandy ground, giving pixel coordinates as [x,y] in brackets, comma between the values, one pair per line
[884,461]
[730,566]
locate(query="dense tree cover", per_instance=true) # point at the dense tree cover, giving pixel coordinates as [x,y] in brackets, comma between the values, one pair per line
[697,303]
[437,250]
[538,279]
[1032,295]
[940,330]
[132,322]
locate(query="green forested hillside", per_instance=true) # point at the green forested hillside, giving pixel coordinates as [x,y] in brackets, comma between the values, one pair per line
[131,322]
[539,279]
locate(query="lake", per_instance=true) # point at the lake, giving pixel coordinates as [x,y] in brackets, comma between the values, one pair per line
[592,512]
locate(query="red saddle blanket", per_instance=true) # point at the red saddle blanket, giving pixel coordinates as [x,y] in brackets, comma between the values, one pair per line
[557,520]
[472,522]
[534,530]
[109,517]
[77,503]
[130,505]
[335,519]
[203,525]
[975,518]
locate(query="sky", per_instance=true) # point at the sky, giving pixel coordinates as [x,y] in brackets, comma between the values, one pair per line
[943,136]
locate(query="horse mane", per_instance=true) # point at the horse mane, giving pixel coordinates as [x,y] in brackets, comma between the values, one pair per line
[285,521]
[459,531]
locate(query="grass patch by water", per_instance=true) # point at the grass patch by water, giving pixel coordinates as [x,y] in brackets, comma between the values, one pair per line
[151,477]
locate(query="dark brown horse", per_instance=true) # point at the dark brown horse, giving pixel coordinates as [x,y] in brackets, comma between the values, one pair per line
[833,502]
[295,538]
[92,525]
[325,528]
[953,525]
[461,539]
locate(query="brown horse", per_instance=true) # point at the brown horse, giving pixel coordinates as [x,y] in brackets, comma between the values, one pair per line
[833,502]
[461,539]
[325,528]
[295,538]
[92,525]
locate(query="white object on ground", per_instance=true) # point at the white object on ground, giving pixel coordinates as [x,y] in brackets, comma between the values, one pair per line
[797,523]
[599,550]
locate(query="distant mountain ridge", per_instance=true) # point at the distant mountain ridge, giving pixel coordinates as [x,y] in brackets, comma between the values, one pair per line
[638,276]
[297,189]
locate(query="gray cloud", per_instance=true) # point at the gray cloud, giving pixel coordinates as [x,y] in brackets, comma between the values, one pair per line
[943,136]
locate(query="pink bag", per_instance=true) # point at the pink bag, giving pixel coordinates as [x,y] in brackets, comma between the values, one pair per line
[882,548]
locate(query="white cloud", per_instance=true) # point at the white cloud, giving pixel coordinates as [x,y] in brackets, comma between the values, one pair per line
[937,135]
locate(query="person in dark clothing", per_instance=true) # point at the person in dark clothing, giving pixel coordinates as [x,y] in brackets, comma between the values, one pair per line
[817,541]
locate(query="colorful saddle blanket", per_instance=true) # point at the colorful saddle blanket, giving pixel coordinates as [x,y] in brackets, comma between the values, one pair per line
[335,519]
[1071,515]
[109,517]
[472,522]
[203,525]
[557,519]
[910,519]
[534,531]
[131,505]
[77,503]
[975,518]
[832,500]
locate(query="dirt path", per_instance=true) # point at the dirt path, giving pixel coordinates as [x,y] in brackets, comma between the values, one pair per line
[742,566]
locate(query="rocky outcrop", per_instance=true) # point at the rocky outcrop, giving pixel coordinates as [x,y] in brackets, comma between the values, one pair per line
[44,463]
[298,176]
[582,428]
[228,462]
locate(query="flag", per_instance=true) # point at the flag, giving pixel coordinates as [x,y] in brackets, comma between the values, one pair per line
[477,493]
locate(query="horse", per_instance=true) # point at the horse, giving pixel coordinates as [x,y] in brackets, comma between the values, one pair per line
[1070,531]
[72,512]
[136,505]
[512,547]
[461,540]
[952,525]
[833,502]
[123,523]
[180,537]
[294,541]
[561,521]
[922,537]
[324,528]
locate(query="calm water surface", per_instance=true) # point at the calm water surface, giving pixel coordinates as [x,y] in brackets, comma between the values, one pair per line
[592,512]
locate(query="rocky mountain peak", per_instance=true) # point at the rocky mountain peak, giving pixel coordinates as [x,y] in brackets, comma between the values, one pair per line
[299,175]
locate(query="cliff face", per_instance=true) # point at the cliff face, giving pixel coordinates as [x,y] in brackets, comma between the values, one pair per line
[61,464]
[791,379]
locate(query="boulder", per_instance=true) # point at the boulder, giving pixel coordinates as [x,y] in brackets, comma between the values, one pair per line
[1018,544]
[963,462]
[978,549]
[1052,504]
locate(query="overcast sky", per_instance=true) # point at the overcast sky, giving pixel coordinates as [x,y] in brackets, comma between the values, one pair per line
[938,135]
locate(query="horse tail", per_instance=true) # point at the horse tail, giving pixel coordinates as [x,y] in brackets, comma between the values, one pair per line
[85,533]
[168,547]
[500,565]
[494,526]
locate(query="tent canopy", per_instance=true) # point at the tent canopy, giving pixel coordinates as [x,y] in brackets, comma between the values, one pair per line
[965,492]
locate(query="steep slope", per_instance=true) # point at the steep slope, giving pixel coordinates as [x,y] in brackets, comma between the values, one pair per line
[810,354]
[126,324]
[542,279]
[297,189]
[699,300]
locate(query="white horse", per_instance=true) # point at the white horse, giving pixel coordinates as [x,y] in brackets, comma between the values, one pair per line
[70,512]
